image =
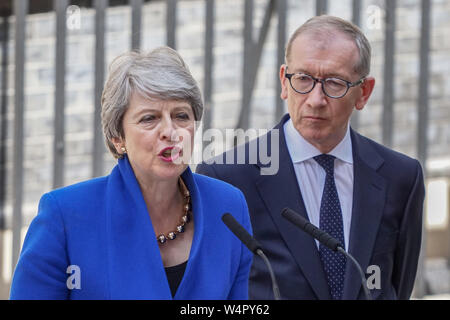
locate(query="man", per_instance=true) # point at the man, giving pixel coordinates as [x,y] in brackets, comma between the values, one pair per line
[368,197]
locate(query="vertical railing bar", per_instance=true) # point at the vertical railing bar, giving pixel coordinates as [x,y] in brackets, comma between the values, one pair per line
[251,63]
[209,62]
[171,22]
[423,102]
[136,23]
[264,28]
[3,107]
[99,147]
[3,133]
[60,7]
[20,12]
[321,7]
[422,127]
[356,19]
[248,50]
[4,32]
[281,42]
[356,12]
[388,81]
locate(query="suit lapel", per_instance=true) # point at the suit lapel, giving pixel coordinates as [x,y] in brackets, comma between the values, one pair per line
[279,191]
[369,194]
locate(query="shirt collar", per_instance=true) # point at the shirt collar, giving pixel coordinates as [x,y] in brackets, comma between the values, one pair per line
[301,150]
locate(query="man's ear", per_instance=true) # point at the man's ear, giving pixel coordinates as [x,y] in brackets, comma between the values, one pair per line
[367,89]
[284,82]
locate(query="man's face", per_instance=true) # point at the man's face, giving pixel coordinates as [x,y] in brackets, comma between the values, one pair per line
[322,120]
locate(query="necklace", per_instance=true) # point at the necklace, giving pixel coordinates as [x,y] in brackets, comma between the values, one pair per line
[185,218]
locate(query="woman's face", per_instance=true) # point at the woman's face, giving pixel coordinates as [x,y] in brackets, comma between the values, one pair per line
[158,137]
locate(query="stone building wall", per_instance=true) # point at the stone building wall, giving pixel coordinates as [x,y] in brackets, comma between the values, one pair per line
[228,57]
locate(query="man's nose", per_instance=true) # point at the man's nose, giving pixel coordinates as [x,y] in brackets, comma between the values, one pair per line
[317,98]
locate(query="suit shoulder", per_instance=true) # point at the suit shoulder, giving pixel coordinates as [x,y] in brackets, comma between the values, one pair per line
[208,185]
[392,156]
[400,170]
[221,197]
[82,187]
[241,159]
[76,194]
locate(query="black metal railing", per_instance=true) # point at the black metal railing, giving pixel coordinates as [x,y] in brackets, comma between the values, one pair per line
[253,48]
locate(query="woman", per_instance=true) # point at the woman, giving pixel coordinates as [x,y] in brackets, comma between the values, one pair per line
[151,229]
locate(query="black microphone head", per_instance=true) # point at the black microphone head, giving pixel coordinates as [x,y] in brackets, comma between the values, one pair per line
[294,218]
[311,229]
[240,232]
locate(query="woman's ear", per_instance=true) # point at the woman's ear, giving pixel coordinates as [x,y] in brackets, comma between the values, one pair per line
[119,144]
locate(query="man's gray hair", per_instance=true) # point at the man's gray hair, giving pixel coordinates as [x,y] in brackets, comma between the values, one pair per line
[329,24]
[160,74]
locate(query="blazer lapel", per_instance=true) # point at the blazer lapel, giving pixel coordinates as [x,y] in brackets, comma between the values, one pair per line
[188,286]
[135,266]
[280,191]
[369,194]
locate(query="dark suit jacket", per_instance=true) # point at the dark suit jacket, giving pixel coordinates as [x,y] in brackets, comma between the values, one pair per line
[385,229]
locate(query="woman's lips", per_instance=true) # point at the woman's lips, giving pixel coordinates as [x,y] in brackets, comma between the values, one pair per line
[170,154]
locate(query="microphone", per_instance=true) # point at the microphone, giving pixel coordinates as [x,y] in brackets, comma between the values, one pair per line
[253,245]
[325,239]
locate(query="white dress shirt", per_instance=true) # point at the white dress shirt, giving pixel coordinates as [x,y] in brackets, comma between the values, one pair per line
[311,176]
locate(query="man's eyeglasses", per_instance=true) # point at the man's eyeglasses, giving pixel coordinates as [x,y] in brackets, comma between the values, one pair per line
[332,87]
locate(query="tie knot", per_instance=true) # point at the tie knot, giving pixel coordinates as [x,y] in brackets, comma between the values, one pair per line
[326,161]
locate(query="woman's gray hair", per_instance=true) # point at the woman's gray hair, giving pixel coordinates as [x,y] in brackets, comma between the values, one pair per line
[160,74]
[330,24]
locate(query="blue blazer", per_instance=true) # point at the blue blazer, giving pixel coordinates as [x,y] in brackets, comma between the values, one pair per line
[102,226]
[386,226]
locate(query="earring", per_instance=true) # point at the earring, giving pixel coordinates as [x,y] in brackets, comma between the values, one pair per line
[124,150]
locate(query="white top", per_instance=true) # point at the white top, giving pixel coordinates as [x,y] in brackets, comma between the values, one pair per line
[311,176]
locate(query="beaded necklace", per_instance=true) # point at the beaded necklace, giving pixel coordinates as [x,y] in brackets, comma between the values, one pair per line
[185,218]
